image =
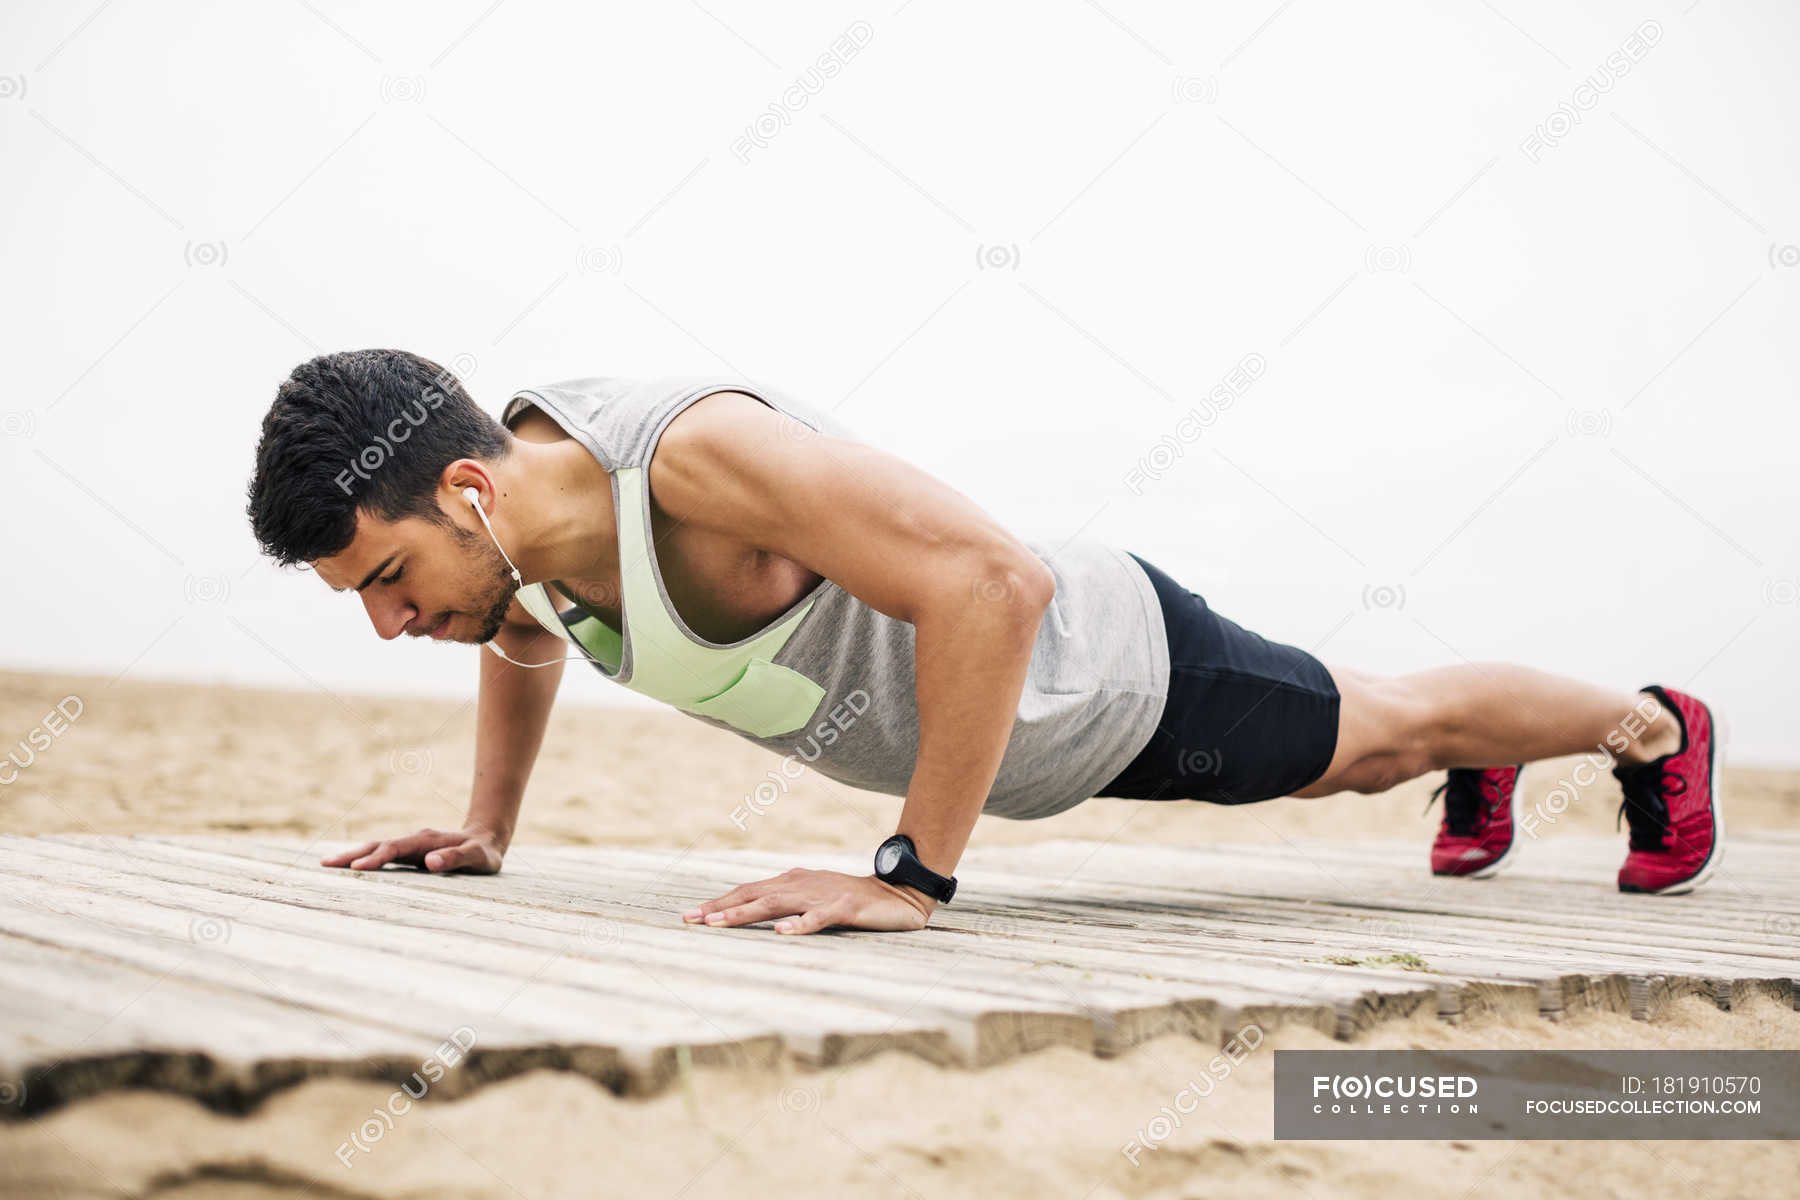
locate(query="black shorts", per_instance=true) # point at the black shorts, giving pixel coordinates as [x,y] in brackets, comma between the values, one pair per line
[1246,719]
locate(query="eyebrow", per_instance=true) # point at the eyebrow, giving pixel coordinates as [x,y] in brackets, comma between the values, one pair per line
[370,577]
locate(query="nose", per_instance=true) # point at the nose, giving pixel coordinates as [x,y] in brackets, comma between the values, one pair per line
[388,615]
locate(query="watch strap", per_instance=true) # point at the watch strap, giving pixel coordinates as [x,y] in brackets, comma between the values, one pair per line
[910,872]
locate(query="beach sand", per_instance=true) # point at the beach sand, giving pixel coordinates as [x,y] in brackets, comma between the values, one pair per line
[181,758]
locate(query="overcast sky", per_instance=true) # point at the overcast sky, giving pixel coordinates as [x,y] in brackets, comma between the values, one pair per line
[1467,330]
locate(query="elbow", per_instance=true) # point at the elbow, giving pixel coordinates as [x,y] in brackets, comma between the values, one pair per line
[1041,582]
[1021,582]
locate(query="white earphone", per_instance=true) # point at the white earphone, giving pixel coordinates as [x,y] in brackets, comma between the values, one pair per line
[473,496]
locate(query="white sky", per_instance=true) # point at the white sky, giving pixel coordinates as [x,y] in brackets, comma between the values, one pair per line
[1538,399]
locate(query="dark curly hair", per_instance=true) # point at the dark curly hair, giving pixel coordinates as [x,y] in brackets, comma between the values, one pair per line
[368,430]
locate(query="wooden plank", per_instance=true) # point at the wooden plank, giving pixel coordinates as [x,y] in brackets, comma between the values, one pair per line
[1572,982]
[1528,900]
[1145,906]
[1357,1001]
[877,950]
[1019,1008]
[76,1026]
[894,957]
[248,952]
[1575,983]
[1579,864]
[544,991]
[1524,945]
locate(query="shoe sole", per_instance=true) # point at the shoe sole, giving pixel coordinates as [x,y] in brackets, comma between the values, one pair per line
[1507,859]
[1714,756]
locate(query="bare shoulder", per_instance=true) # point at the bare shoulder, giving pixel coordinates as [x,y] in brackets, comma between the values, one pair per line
[730,462]
[726,415]
[723,435]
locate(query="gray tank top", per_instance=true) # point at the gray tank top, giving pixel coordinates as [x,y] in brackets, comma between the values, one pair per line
[1093,695]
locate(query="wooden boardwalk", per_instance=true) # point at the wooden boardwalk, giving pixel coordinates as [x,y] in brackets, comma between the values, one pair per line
[225,968]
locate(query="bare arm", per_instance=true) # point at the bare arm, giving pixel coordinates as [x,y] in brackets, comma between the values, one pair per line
[512,709]
[511,712]
[905,544]
[971,653]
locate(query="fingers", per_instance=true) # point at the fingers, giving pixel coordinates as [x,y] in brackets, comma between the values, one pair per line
[740,894]
[810,921]
[810,900]
[448,860]
[774,904]
[344,859]
[471,855]
[382,854]
[402,850]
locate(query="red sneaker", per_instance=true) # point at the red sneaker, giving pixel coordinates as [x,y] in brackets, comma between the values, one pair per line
[1672,802]
[1480,810]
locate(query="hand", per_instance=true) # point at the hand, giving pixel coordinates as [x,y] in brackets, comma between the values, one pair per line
[818,900]
[477,851]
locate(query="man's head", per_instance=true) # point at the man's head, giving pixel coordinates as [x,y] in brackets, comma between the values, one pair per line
[359,473]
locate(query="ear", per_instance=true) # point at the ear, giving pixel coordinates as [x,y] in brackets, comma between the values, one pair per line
[461,474]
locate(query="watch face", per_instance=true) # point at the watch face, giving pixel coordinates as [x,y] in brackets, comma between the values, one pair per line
[887,859]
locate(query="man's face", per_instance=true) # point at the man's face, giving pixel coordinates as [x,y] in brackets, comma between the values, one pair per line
[422,579]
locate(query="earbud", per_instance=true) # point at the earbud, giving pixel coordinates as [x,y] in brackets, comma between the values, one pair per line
[473,496]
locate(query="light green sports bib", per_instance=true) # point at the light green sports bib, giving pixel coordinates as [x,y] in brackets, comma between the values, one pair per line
[657,656]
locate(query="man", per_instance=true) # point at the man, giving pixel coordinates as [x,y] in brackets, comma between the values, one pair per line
[724,548]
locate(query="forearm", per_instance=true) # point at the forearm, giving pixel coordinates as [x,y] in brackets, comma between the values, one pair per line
[511,714]
[971,654]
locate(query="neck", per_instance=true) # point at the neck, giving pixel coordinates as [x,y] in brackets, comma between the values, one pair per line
[555,512]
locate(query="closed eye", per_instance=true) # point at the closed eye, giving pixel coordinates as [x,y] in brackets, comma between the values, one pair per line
[396,575]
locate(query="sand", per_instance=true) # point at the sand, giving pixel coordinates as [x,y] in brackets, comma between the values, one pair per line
[178,758]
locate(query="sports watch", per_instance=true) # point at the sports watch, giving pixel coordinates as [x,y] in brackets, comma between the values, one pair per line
[897,862]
